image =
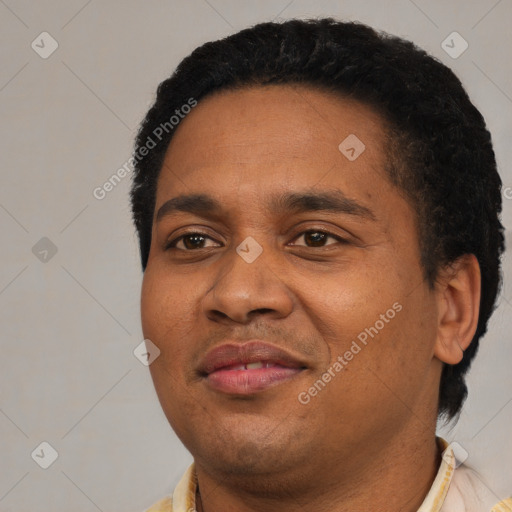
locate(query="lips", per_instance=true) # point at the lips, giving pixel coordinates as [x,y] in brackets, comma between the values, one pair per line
[248,368]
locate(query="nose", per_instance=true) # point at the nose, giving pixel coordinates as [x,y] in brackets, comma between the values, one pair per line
[243,290]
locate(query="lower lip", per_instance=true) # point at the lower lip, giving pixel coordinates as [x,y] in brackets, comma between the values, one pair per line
[246,382]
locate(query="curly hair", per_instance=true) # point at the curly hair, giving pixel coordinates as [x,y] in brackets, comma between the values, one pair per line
[440,151]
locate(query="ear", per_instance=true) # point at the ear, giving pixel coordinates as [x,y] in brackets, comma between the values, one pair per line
[458,304]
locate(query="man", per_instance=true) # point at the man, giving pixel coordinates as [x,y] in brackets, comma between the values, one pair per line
[318,212]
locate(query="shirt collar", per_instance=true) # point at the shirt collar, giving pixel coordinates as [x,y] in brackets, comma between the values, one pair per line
[437,494]
[184,495]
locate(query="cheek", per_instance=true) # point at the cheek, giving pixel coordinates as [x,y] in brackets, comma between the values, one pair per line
[398,353]
[152,305]
[169,317]
[166,309]
[375,307]
[167,321]
[343,303]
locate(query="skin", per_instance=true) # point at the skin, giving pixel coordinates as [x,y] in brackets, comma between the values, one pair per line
[367,440]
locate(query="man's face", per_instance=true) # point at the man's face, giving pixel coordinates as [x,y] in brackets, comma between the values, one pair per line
[294,254]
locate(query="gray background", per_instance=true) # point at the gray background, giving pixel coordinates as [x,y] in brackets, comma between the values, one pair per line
[70,323]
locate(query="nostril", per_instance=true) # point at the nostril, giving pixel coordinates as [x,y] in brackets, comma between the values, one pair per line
[262,310]
[218,314]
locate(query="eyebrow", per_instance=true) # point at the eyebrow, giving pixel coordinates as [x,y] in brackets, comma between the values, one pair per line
[331,202]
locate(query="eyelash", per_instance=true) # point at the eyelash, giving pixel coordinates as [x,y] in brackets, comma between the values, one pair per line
[172,243]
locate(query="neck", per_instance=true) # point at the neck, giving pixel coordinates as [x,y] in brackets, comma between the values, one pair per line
[397,477]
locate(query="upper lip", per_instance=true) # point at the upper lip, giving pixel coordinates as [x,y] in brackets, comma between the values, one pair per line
[229,354]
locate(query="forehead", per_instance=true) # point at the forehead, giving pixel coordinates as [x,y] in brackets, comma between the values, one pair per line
[272,120]
[280,137]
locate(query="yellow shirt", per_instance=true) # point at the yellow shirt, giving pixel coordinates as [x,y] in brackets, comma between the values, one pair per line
[455,489]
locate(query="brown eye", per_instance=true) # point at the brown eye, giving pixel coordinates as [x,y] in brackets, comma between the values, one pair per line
[194,241]
[189,242]
[315,238]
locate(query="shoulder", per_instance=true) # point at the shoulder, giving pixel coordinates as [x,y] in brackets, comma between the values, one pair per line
[468,492]
[164,505]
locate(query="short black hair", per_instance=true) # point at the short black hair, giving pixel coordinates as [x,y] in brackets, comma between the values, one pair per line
[440,151]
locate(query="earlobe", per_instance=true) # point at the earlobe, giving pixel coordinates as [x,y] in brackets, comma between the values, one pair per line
[458,300]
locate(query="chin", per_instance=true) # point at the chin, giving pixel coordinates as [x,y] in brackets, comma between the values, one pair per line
[245,455]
